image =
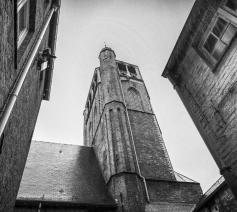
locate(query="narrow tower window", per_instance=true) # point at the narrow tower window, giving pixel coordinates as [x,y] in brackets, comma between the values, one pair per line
[95,115]
[22,20]
[90,131]
[122,68]
[1,142]
[132,71]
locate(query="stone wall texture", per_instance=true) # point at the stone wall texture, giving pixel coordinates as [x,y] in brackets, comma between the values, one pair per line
[209,93]
[20,126]
[152,154]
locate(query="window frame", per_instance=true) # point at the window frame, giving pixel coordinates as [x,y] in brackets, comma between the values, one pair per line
[231,20]
[24,32]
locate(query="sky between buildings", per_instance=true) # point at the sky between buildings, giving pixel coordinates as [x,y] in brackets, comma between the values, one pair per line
[140,32]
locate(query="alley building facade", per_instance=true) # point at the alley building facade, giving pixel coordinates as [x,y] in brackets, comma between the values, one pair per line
[202,69]
[28,35]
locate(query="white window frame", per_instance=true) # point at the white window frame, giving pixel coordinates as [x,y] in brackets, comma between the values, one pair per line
[221,13]
[22,35]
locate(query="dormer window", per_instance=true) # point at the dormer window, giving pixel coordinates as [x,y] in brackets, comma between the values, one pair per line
[22,20]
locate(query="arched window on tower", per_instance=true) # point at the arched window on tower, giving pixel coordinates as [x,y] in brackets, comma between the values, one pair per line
[134,100]
[90,132]
[95,115]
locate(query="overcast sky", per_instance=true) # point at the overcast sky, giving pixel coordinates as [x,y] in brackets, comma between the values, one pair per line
[140,32]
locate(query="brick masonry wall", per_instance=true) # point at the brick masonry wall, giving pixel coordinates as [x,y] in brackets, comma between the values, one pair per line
[20,126]
[153,158]
[167,191]
[128,190]
[113,142]
[7,73]
[210,97]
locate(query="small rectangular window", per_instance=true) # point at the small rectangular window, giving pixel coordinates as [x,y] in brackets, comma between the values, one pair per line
[22,20]
[218,37]
[232,5]
[219,27]
[122,68]
[132,70]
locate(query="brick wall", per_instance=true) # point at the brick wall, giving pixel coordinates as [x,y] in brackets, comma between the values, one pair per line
[128,190]
[167,191]
[20,126]
[152,154]
[7,73]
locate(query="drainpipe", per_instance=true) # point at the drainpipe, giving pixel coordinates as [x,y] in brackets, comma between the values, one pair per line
[134,148]
[14,94]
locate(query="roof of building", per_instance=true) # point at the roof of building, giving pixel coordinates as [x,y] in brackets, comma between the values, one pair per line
[181,178]
[107,48]
[63,173]
[169,207]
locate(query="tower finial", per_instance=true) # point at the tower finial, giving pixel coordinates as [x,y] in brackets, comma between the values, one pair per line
[105,44]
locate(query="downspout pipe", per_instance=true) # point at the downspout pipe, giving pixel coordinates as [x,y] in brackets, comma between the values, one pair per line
[14,94]
[133,145]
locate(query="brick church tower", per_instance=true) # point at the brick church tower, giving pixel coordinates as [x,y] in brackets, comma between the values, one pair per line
[120,124]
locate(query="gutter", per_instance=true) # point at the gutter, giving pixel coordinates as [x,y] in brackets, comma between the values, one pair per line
[17,87]
[40,203]
[52,45]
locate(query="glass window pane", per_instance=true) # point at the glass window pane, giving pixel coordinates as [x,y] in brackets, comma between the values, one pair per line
[22,18]
[122,67]
[229,34]
[210,43]
[132,70]
[219,27]
[232,4]
[219,50]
